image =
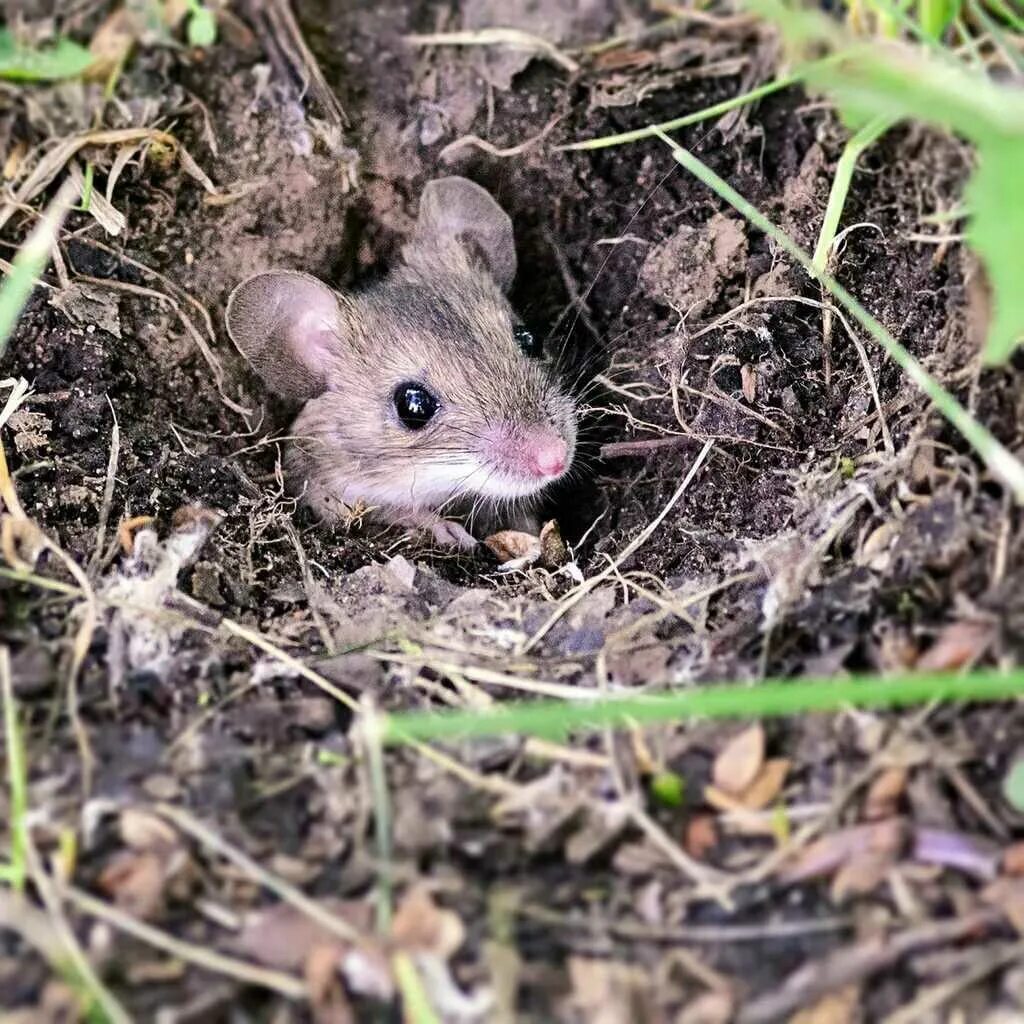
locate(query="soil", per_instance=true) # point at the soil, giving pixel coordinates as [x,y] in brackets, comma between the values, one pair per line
[827,533]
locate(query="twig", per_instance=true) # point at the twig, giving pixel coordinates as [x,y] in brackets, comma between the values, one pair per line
[620,449]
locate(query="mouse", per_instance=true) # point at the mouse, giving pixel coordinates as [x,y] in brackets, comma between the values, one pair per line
[426,401]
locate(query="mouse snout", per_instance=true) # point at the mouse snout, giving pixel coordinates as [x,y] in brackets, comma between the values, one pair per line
[548,457]
[532,455]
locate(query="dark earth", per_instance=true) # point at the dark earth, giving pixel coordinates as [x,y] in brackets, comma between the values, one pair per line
[825,534]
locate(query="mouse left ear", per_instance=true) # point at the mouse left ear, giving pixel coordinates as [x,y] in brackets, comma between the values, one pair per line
[459,210]
[290,327]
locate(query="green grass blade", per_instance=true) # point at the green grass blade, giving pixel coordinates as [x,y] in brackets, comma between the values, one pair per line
[935,16]
[1003,10]
[415,1000]
[64,59]
[772,698]
[30,260]
[856,145]
[999,460]
[17,777]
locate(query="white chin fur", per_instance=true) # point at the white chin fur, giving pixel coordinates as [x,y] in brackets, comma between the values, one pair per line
[432,485]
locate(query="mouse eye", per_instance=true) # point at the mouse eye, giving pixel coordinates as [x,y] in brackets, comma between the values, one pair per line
[526,341]
[415,405]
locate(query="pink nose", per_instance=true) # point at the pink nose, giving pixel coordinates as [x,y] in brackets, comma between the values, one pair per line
[549,458]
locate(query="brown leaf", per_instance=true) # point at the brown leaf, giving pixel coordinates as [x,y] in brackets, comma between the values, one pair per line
[958,645]
[767,784]
[14,160]
[828,854]
[1013,859]
[144,831]
[327,997]
[110,45]
[701,836]
[421,926]
[553,551]
[737,765]
[884,794]
[714,1007]
[511,545]
[1008,894]
[862,874]
[839,1007]
[135,881]
[283,937]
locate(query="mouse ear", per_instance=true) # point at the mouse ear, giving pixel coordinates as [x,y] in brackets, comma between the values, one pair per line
[288,325]
[459,209]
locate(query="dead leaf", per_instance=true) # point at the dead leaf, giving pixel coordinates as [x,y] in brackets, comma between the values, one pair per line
[111,44]
[1013,859]
[1008,894]
[767,785]
[14,160]
[861,875]
[421,926]
[829,853]
[715,1007]
[138,878]
[553,551]
[885,793]
[960,644]
[838,1007]
[738,764]
[144,831]
[514,546]
[701,836]
[327,997]
[283,937]
[135,881]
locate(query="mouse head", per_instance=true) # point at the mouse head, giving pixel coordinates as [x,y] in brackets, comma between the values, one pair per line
[426,387]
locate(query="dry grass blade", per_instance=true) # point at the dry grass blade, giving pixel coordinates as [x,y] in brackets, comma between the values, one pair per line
[480,674]
[258,640]
[513,38]
[58,157]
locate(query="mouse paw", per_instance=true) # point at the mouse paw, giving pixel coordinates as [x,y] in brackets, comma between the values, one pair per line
[450,534]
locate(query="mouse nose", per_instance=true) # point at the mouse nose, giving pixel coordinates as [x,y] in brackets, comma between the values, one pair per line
[550,457]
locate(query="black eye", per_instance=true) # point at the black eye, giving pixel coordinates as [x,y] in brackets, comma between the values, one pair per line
[415,405]
[526,341]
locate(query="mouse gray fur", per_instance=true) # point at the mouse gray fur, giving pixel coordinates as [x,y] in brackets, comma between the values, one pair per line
[420,403]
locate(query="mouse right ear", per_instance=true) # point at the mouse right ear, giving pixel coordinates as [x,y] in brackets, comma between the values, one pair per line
[458,209]
[289,326]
